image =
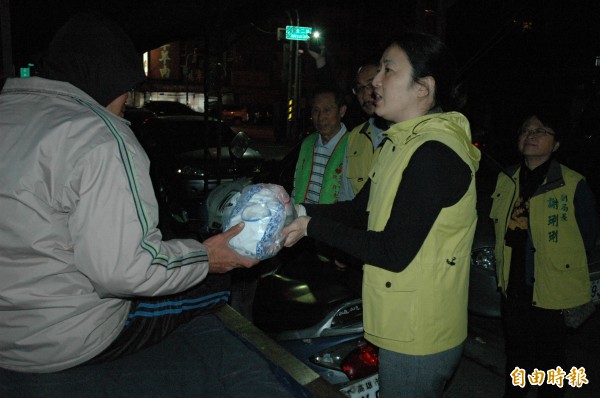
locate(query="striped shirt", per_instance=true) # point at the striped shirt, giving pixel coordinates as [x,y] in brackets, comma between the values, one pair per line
[322,153]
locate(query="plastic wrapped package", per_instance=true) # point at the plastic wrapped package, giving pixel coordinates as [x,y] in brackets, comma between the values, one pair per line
[265,209]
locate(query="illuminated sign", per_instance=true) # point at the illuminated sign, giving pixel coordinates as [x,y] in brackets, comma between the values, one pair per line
[297,33]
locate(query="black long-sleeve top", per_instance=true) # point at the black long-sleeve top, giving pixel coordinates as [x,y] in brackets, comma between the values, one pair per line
[435,178]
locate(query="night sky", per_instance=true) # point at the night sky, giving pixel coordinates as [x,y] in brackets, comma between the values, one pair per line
[511,52]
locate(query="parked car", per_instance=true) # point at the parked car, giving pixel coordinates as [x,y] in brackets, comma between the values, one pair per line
[137,116]
[169,108]
[484,298]
[235,113]
[261,115]
[186,164]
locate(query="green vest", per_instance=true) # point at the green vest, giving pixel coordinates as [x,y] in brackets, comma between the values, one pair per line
[561,275]
[423,309]
[361,156]
[333,171]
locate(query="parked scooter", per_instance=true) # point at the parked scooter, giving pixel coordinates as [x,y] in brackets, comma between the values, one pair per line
[317,318]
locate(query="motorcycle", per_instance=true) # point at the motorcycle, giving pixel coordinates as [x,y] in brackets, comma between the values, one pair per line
[317,316]
[318,321]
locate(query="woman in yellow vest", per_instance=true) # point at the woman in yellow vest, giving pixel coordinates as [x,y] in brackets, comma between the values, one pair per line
[545,222]
[412,223]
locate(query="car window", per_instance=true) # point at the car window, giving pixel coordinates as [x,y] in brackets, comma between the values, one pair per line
[162,108]
[233,108]
[178,136]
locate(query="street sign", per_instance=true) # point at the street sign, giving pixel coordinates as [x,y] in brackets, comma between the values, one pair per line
[297,33]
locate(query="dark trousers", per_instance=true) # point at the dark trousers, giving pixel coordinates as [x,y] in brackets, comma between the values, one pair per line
[534,338]
[201,358]
[151,319]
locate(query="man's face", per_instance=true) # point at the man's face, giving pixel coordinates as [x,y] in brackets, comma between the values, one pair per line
[364,90]
[326,116]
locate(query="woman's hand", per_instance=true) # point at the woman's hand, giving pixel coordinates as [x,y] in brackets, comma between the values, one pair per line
[295,231]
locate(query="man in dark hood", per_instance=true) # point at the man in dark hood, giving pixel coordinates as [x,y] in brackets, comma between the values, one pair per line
[93,301]
[94,54]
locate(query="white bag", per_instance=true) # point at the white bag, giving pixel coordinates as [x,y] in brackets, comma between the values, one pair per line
[265,209]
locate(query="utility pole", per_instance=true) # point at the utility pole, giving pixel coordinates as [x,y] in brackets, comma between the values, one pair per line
[295,34]
[291,64]
[296,96]
[7,61]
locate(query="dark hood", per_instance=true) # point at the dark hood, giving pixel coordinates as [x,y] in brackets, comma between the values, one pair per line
[94,54]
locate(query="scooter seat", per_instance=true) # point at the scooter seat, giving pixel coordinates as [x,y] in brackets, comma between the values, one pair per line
[283,303]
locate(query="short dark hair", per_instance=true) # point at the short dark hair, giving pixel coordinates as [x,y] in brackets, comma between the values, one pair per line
[340,100]
[429,56]
[550,117]
[370,61]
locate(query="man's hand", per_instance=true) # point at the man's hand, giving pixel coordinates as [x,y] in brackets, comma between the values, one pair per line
[295,231]
[221,257]
[319,57]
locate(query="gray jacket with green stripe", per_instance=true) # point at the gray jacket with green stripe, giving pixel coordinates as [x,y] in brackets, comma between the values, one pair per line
[78,232]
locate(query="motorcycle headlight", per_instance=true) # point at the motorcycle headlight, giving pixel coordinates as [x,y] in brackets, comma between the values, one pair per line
[484,258]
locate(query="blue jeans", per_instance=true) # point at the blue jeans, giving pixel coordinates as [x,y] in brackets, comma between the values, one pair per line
[199,359]
[416,376]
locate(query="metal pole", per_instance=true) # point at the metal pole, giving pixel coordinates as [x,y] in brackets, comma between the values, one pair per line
[206,90]
[290,94]
[299,123]
[296,81]
[7,61]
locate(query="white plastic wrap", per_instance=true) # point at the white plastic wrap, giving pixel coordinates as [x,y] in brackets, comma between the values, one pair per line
[265,209]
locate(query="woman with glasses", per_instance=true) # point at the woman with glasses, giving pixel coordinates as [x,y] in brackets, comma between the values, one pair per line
[412,223]
[545,222]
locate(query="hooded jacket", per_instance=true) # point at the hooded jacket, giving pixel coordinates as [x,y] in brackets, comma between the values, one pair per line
[78,219]
[94,54]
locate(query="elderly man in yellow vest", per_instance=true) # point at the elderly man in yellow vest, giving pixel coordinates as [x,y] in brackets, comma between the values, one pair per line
[319,169]
[363,141]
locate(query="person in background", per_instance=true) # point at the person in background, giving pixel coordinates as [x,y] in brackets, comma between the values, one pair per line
[362,147]
[364,138]
[545,221]
[363,141]
[412,223]
[91,296]
[318,173]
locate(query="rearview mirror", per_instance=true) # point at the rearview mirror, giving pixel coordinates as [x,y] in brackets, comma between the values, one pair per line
[239,145]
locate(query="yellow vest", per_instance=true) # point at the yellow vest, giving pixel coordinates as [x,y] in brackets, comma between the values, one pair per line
[423,309]
[361,156]
[560,263]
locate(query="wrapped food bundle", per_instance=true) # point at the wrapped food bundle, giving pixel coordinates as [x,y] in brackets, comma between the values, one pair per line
[265,209]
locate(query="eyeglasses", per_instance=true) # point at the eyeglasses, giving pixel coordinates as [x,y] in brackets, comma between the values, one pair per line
[359,89]
[539,132]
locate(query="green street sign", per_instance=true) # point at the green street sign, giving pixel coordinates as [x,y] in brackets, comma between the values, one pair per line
[297,33]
